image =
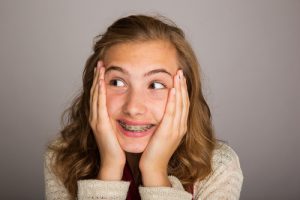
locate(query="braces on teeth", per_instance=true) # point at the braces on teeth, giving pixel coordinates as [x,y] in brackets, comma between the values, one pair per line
[134,128]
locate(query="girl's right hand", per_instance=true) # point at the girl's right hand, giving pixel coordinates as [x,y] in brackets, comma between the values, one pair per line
[112,156]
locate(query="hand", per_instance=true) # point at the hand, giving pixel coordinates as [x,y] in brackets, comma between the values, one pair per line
[154,161]
[113,158]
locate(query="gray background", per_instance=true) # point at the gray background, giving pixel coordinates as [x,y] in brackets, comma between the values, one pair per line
[249,52]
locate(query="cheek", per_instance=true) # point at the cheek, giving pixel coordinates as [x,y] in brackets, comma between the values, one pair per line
[157,103]
[113,103]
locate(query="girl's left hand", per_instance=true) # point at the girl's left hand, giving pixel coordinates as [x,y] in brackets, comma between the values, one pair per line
[154,160]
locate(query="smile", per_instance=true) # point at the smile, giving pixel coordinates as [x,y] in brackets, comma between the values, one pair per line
[135,128]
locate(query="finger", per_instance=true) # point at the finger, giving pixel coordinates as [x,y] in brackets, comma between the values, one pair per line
[93,94]
[178,104]
[102,110]
[94,104]
[95,71]
[170,109]
[102,71]
[96,74]
[95,78]
[185,103]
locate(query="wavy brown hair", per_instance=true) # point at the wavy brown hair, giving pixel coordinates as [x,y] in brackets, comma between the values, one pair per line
[76,155]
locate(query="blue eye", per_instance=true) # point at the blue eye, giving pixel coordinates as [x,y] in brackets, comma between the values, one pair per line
[117,83]
[156,85]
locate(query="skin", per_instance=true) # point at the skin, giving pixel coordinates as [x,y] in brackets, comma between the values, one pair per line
[159,98]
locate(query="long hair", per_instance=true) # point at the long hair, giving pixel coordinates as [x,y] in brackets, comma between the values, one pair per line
[76,155]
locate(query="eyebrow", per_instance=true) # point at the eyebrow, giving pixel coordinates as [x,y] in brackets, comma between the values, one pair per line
[124,71]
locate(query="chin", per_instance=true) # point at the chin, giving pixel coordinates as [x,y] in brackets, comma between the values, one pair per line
[134,148]
[133,145]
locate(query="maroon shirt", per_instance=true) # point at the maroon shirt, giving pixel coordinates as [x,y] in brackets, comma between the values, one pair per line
[133,192]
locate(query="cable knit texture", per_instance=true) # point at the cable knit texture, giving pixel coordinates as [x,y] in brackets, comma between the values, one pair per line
[91,189]
[176,192]
[224,183]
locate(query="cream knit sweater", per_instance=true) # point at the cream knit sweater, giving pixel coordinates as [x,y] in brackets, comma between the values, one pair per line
[224,183]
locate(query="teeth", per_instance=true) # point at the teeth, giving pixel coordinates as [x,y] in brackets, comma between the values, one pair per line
[135,128]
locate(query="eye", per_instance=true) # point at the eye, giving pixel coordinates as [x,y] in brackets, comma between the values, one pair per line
[117,83]
[157,85]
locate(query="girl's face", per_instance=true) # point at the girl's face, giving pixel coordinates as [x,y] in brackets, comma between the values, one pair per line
[138,76]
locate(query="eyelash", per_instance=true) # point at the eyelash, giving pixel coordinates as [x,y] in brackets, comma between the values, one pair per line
[164,86]
[111,82]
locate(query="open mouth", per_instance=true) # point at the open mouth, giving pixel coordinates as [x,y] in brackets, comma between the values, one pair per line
[135,128]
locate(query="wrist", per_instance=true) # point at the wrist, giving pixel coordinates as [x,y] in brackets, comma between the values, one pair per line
[155,179]
[110,173]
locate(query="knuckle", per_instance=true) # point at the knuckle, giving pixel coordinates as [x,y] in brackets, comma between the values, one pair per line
[97,127]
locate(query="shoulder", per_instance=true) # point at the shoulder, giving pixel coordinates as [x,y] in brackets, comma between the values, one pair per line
[226,177]
[49,160]
[48,157]
[54,188]
[224,155]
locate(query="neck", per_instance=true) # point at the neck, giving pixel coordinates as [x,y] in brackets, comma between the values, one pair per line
[133,162]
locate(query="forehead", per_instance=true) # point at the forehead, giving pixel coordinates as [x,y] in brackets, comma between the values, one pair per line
[143,56]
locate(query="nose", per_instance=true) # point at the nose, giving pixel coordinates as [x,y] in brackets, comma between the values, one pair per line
[135,103]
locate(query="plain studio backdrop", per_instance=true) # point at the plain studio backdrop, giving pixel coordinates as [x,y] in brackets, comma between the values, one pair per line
[250,58]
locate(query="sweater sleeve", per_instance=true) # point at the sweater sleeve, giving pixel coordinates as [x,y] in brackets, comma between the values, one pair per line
[176,192]
[225,182]
[97,189]
[87,189]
